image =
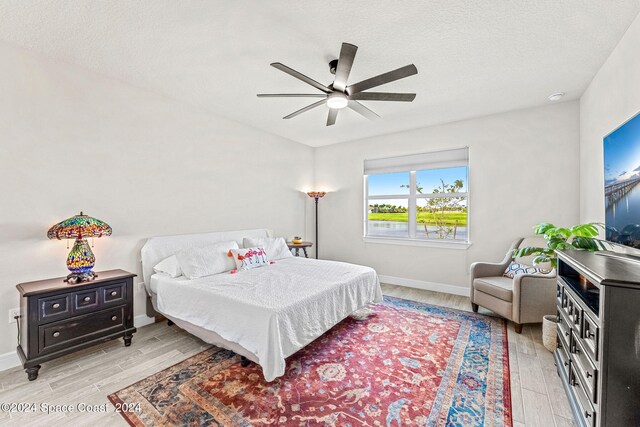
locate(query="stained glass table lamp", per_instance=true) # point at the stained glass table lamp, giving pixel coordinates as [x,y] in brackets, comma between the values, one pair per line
[81,259]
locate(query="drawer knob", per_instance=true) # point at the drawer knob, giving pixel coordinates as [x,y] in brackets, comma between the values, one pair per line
[56,334]
[56,305]
[566,333]
[87,299]
[591,335]
[114,317]
[589,374]
[114,293]
[587,414]
[566,363]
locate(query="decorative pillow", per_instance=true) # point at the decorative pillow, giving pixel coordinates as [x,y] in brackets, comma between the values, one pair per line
[275,247]
[249,258]
[515,269]
[169,266]
[206,260]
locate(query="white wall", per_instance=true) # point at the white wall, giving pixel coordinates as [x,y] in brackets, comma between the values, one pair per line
[612,98]
[71,140]
[523,170]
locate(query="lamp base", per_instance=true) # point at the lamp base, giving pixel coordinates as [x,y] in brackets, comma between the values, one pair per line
[74,278]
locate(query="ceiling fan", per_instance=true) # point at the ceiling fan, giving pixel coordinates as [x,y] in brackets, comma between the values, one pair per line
[338,94]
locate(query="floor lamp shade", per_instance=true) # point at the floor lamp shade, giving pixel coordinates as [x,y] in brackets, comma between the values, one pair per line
[316,195]
[81,259]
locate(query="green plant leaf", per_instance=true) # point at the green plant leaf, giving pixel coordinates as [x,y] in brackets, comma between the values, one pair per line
[541,259]
[554,242]
[526,251]
[584,230]
[543,227]
[585,243]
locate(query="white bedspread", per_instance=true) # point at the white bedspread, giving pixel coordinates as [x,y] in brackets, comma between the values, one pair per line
[272,311]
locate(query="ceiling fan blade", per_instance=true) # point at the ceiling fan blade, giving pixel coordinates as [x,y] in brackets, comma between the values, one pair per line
[291,95]
[388,77]
[347,55]
[301,76]
[383,96]
[307,108]
[333,114]
[364,111]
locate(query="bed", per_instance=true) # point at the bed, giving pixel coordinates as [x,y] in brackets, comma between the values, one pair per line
[265,314]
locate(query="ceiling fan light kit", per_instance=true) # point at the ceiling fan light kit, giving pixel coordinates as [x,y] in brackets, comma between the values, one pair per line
[338,95]
[337,100]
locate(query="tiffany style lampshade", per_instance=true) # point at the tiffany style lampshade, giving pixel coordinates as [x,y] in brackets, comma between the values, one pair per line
[81,259]
[316,195]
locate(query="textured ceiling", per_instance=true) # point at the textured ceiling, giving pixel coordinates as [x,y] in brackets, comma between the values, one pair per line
[473,57]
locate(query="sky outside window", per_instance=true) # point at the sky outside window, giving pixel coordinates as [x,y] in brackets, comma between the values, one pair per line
[430,179]
[388,184]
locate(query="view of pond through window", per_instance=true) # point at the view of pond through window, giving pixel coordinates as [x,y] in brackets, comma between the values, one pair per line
[423,204]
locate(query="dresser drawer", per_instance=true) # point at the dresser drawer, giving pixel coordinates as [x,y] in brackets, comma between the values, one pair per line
[54,308]
[114,294]
[586,408]
[590,335]
[585,368]
[574,312]
[59,335]
[559,295]
[564,357]
[564,329]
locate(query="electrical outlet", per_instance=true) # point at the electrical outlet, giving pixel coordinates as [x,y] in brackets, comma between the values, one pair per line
[13,313]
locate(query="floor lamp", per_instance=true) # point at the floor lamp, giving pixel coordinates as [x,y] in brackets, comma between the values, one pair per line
[316,195]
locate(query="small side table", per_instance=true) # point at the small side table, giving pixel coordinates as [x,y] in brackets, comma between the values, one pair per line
[297,246]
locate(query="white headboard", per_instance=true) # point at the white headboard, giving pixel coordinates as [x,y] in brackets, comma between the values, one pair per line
[156,249]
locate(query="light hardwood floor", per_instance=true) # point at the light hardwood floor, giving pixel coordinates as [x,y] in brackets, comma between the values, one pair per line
[92,374]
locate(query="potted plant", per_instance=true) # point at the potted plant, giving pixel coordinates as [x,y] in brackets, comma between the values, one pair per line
[581,237]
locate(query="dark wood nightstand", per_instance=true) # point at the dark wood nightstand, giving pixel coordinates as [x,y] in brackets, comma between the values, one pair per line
[57,318]
[297,246]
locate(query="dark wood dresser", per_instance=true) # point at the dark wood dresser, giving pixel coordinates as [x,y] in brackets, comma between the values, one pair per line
[598,354]
[57,318]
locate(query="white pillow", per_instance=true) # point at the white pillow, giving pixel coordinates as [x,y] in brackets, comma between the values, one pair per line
[169,266]
[248,258]
[206,260]
[275,247]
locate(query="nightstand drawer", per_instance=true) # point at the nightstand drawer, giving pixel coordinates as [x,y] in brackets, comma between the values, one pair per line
[114,294]
[54,308]
[85,300]
[59,335]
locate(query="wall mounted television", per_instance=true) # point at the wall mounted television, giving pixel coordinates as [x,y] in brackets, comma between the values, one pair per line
[622,184]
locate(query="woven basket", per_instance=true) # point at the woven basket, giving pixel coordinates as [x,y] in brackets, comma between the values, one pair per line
[550,332]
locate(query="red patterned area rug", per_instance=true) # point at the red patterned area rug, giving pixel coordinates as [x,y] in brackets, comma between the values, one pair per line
[404,364]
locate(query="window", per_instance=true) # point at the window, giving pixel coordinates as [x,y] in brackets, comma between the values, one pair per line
[418,197]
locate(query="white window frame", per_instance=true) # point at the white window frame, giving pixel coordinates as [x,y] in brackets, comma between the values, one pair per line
[413,196]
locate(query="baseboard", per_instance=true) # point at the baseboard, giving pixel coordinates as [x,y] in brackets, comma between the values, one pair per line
[143,320]
[427,286]
[9,360]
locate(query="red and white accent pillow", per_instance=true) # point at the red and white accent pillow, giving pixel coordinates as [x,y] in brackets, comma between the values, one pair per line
[249,258]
